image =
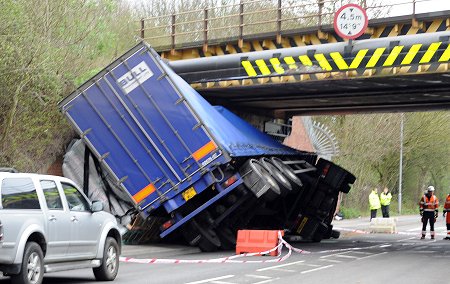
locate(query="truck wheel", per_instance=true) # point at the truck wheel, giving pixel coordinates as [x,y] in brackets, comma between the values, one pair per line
[288,172]
[32,268]
[227,238]
[259,181]
[190,234]
[283,182]
[109,268]
[335,234]
[209,240]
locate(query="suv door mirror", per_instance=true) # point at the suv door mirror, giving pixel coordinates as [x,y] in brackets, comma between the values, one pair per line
[97,206]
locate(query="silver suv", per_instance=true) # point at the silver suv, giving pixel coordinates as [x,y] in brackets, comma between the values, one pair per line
[47,224]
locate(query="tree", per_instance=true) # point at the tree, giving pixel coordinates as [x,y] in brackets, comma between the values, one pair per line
[46,46]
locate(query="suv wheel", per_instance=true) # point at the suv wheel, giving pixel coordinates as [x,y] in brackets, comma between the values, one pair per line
[32,269]
[107,271]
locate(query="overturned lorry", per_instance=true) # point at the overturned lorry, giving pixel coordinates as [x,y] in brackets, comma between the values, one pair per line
[202,169]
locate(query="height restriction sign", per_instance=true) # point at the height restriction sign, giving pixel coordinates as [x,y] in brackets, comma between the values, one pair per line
[350,21]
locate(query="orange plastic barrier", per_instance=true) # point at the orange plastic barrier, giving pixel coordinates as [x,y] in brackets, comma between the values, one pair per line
[257,241]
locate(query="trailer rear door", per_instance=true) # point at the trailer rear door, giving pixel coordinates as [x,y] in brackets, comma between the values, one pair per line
[138,123]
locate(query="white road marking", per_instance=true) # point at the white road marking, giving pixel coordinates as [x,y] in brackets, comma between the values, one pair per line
[361,252]
[403,240]
[345,256]
[331,260]
[222,282]
[339,255]
[372,255]
[311,265]
[278,266]
[258,276]
[266,281]
[282,270]
[415,229]
[316,269]
[212,279]
[266,278]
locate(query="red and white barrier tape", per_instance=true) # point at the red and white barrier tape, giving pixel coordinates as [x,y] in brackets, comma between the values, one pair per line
[229,259]
[278,248]
[395,233]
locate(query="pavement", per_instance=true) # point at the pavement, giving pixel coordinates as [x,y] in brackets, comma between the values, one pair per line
[356,257]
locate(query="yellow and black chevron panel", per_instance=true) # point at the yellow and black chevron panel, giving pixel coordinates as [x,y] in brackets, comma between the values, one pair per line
[362,60]
[396,60]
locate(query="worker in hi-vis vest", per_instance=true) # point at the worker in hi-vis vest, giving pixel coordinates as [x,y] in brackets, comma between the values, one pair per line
[385,200]
[429,207]
[374,203]
[447,220]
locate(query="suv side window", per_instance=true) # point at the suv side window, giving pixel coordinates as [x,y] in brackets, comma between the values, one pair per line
[19,193]
[75,199]
[51,194]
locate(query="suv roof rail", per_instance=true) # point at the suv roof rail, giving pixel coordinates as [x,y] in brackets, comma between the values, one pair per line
[8,170]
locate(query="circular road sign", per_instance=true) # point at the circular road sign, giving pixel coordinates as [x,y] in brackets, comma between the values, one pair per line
[350,21]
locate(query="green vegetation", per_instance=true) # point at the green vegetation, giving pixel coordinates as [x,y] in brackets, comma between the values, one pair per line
[47,48]
[370,148]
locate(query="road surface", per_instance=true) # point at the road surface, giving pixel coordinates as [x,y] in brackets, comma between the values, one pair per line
[373,258]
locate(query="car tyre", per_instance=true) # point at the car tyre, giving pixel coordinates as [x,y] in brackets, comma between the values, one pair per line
[109,268]
[32,268]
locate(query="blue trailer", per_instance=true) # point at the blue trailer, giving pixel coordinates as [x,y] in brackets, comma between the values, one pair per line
[203,169]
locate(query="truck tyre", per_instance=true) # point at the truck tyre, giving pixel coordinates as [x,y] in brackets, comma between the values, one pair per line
[109,268]
[288,172]
[227,238]
[283,182]
[335,234]
[190,234]
[32,268]
[259,181]
[209,240]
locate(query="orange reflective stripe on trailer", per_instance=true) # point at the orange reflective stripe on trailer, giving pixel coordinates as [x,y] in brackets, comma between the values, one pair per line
[143,193]
[204,150]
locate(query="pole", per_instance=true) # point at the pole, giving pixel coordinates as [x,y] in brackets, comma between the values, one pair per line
[401,166]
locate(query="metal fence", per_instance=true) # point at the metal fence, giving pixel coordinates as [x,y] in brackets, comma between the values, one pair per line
[249,17]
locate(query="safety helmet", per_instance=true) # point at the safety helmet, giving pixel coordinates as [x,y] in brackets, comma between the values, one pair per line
[430,188]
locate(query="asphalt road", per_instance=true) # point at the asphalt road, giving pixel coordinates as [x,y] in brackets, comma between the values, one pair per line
[363,258]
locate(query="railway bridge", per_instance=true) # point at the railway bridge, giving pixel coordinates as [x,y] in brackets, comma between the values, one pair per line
[280,59]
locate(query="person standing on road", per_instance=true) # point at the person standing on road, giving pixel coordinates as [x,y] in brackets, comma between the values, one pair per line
[385,200]
[447,220]
[429,207]
[374,203]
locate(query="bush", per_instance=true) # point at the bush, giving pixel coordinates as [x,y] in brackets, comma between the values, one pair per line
[350,213]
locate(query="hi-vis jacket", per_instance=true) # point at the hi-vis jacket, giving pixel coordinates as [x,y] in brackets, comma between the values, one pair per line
[374,201]
[447,209]
[429,203]
[385,199]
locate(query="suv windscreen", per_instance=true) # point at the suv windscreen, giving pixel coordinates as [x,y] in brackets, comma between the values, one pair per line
[75,199]
[19,193]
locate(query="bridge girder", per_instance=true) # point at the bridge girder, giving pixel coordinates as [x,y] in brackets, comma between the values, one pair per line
[404,73]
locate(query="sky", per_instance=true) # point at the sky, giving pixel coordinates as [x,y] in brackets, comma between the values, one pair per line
[422,6]
[398,9]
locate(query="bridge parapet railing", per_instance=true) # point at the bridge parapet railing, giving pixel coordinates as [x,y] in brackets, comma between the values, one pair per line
[239,19]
